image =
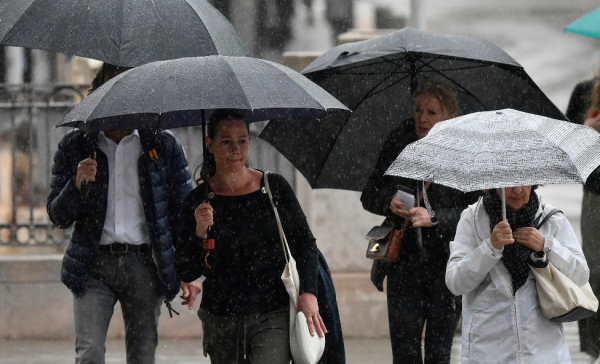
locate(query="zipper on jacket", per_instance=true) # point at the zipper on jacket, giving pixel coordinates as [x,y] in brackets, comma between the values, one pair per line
[515,312]
[514,302]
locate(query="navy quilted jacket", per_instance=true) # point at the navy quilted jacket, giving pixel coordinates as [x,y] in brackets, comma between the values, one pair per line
[164,182]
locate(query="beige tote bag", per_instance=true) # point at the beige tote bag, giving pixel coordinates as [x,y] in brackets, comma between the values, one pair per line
[561,300]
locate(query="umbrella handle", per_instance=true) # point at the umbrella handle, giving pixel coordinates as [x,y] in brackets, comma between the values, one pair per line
[503,204]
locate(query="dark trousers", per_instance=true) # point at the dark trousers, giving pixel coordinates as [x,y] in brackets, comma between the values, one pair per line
[254,339]
[132,279]
[418,297]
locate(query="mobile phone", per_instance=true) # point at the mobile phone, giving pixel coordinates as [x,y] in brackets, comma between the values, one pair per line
[407,197]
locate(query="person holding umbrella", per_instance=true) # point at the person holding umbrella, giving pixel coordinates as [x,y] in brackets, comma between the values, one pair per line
[416,291]
[230,236]
[502,317]
[122,189]
[509,313]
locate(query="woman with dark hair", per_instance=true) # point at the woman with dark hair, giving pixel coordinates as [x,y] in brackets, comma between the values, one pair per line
[417,294]
[230,236]
[502,319]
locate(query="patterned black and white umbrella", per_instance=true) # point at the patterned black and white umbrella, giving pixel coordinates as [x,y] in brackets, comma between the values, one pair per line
[504,148]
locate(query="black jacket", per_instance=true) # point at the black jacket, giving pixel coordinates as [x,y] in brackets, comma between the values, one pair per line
[164,182]
[244,269]
[447,203]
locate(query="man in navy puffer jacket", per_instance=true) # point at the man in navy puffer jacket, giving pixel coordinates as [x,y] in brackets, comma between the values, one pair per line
[126,228]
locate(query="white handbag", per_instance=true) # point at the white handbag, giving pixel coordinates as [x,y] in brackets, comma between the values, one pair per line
[561,300]
[306,349]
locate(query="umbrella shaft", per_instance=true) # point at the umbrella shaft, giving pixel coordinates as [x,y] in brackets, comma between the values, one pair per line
[503,204]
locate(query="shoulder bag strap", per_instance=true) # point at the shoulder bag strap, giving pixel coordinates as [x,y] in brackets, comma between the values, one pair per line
[286,248]
[547,217]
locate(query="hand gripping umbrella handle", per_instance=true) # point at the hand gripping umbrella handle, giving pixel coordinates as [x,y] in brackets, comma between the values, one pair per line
[86,186]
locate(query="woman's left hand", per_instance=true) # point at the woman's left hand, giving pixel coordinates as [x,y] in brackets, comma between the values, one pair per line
[420,217]
[309,306]
[530,237]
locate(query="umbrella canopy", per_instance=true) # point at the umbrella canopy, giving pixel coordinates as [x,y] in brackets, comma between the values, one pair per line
[375,79]
[125,33]
[504,148]
[184,92]
[588,24]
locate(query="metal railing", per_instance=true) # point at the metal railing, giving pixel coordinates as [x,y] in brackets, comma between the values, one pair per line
[28,140]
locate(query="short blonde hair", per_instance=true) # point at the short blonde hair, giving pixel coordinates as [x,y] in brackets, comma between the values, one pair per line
[443,90]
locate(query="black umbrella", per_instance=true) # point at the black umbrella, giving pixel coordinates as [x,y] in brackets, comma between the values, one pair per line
[184,92]
[125,33]
[375,79]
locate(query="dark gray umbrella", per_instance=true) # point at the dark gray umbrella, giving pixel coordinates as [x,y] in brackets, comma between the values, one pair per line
[184,92]
[375,79]
[125,33]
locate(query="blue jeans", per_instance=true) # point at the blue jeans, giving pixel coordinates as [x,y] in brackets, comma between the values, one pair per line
[132,279]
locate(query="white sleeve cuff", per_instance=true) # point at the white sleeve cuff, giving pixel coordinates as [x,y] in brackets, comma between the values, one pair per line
[549,244]
[493,251]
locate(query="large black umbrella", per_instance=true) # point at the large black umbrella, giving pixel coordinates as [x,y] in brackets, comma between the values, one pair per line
[125,33]
[184,92]
[375,79]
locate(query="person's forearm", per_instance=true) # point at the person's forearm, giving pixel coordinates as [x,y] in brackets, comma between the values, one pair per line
[64,207]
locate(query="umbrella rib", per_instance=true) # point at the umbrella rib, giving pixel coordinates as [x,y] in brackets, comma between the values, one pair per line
[162,23]
[371,73]
[382,59]
[387,87]
[464,90]
[464,68]
[238,82]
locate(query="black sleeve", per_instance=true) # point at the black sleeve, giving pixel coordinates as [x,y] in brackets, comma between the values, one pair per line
[593,181]
[448,217]
[300,239]
[380,189]
[579,102]
[189,254]
[64,201]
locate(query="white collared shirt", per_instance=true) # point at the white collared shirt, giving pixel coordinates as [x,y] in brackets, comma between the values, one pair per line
[125,220]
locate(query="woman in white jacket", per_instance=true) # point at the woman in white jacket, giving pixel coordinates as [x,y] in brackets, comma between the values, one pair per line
[502,318]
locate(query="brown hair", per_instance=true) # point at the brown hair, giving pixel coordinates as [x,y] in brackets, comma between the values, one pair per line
[443,90]
[99,79]
[208,168]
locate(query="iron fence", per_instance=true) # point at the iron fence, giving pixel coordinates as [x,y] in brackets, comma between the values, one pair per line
[28,139]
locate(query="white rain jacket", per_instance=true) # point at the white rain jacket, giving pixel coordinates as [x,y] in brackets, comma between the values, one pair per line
[497,326]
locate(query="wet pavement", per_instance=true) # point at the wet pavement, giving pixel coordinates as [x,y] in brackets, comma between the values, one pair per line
[189,351]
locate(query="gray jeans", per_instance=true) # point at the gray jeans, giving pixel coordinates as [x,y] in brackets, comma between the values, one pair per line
[255,339]
[132,279]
